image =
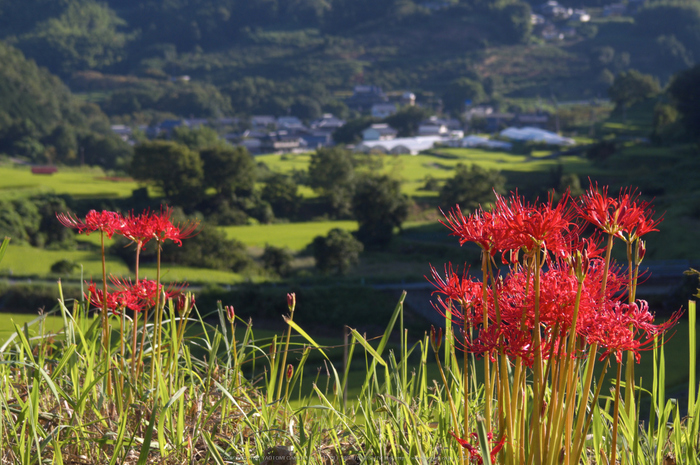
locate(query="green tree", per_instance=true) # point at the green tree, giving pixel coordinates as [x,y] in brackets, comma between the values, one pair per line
[678,19]
[379,207]
[85,36]
[332,175]
[281,192]
[40,119]
[107,151]
[516,22]
[64,267]
[210,248]
[338,251]
[471,187]
[667,127]
[459,91]
[685,91]
[351,132]
[50,233]
[631,87]
[407,120]
[173,167]
[278,260]
[229,170]
[198,138]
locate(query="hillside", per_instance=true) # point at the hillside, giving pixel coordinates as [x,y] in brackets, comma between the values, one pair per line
[42,122]
[268,56]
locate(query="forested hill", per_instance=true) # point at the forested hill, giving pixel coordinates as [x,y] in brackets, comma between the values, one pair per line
[42,121]
[304,56]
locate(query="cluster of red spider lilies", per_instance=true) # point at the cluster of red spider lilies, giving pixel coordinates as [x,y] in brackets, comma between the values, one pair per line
[141,295]
[562,306]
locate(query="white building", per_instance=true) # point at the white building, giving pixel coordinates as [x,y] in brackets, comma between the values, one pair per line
[290,123]
[403,145]
[383,110]
[478,141]
[327,122]
[530,134]
[264,122]
[379,132]
[430,129]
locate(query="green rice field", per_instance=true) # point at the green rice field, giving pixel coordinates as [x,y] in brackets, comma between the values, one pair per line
[24,260]
[440,164]
[88,182]
[294,236]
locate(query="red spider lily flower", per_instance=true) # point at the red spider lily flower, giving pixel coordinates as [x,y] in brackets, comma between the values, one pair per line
[626,216]
[290,372]
[475,453]
[502,339]
[105,221]
[116,301]
[460,289]
[481,227]
[463,297]
[626,327]
[291,301]
[546,226]
[138,228]
[146,290]
[163,229]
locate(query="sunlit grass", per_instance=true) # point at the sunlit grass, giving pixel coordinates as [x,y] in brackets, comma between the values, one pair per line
[440,164]
[24,260]
[181,274]
[294,236]
[91,182]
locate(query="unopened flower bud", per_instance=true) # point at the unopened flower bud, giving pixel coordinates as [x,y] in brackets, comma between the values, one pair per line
[184,302]
[230,313]
[291,301]
[641,250]
[290,372]
[435,338]
[581,264]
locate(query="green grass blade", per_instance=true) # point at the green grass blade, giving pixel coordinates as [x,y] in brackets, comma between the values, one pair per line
[120,439]
[213,449]
[3,247]
[304,335]
[363,342]
[146,446]
[692,353]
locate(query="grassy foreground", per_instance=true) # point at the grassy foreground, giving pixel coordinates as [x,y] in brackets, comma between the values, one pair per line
[219,400]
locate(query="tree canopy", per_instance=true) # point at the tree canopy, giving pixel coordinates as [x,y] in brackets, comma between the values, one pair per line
[378,206]
[685,91]
[471,187]
[338,251]
[332,174]
[632,86]
[174,168]
[42,121]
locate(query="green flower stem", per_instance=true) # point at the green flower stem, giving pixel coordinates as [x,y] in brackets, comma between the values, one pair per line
[453,411]
[616,415]
[488,387]
[283,367]
[106,345]
[155,353]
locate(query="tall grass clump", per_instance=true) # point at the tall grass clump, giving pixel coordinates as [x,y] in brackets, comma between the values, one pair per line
[139,376]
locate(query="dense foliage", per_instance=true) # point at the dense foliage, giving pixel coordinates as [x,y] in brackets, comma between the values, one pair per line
[41,121]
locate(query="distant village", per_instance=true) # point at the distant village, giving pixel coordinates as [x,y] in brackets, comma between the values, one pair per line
[288,134]
[496,130]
